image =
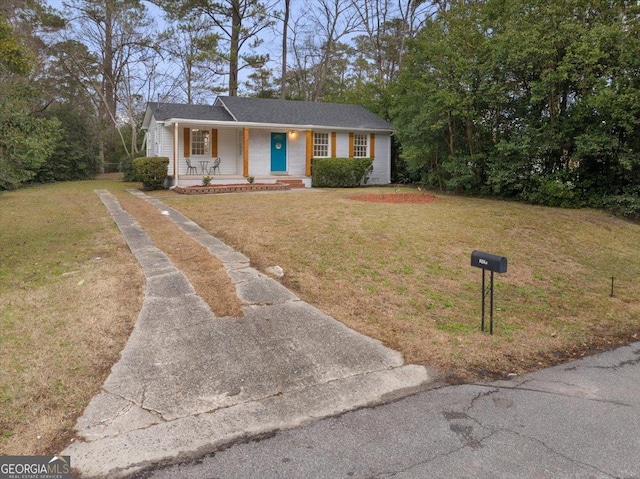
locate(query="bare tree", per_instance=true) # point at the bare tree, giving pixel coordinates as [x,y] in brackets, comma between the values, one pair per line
[238,23]
[285,31]
[319,35]
[116,34]
[335,20]
[387,25]
[193,47]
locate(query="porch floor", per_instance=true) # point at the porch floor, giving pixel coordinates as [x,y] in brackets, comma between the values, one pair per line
[213,189]
[238,180]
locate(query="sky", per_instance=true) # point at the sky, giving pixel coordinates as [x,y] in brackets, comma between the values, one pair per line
[271,45]
[155,11]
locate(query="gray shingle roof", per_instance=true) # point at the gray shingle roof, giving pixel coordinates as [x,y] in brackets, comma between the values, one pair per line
[164,111]
[288,112]
[274,112]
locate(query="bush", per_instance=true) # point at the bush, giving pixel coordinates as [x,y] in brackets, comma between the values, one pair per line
[76,155]
[554,192]
[463,172]
[152,171]
[627,205]
[340,172]
[129,173]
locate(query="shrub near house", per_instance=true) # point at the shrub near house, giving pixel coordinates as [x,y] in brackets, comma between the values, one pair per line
[152,171]
[341,172]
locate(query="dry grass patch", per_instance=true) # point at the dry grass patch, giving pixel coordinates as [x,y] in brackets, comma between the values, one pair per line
[401,272]
[70,292]
[204,271]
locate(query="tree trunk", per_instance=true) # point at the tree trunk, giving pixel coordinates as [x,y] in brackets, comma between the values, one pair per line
[285,27]
[189,79]
[134,136]
[451,143]
[101,151]
[469,125]
[108,82]
[236,25]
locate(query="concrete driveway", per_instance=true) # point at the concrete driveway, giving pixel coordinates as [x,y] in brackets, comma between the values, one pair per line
[189,382]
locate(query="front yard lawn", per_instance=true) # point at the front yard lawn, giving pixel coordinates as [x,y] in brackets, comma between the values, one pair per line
[401,272]
[70,290]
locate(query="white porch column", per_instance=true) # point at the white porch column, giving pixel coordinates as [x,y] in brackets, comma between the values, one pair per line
[176,162]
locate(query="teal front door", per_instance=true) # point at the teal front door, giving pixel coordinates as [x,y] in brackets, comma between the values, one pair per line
[278,152]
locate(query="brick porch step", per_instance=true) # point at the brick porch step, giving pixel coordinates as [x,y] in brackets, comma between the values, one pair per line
[213,189]
[293,184]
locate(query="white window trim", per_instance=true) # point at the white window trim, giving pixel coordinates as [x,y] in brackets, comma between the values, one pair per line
[365,144]
[206,142]
[328,144]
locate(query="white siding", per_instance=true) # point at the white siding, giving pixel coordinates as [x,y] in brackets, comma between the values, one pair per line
[151,142]
[230,150]
[381,174]
[239,141]
[165,142]
[152,148]
[230,155]
[297,153]
[259,152]
[160,142]
[342,145]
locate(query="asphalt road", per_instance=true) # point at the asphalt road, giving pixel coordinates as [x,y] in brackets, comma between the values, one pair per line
[577,420]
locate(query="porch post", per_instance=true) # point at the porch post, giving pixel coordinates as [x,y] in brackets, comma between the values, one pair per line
[333,144]
[372,147]
[245,152]
[309,153]
[176,171]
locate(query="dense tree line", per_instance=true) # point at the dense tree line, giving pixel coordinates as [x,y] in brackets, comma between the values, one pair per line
[46,126]
[91,66]
[526,99]
[27,138]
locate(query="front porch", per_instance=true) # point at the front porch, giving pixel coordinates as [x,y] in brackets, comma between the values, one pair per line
[239,180]
[230,155]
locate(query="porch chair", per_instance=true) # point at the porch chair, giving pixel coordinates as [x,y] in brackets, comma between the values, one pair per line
[215,166]
[191,170]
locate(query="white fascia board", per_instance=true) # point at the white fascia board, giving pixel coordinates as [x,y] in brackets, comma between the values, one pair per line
[280,126]
[219,101]
[270,126]
[354,130]
[191,121]
[147,119]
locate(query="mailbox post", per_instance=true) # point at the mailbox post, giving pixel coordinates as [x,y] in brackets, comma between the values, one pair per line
[495,264]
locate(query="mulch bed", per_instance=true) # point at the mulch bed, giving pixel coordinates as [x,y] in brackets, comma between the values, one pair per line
[404,198]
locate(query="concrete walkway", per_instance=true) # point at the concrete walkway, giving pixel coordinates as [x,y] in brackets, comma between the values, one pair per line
[189,382]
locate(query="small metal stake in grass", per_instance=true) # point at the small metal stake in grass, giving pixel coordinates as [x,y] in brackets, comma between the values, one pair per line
[612,279]
[495,264]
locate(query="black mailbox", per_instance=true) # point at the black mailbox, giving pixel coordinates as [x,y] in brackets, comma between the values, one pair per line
[488,261]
